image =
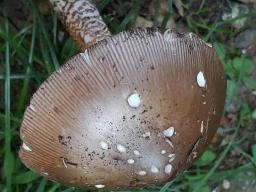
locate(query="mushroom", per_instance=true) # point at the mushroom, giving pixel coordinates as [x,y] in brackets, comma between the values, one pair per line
[141,105]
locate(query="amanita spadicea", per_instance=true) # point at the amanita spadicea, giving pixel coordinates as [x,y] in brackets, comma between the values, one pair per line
[131,110]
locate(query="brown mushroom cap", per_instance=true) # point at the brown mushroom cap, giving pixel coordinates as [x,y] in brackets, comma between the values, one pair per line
[133,110]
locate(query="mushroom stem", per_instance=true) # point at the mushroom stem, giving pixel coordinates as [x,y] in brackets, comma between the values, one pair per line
[82,20]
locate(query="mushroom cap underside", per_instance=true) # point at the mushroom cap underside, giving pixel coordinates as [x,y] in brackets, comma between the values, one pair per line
[141,106]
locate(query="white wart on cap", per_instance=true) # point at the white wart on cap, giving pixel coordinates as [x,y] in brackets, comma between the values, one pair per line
[134,100]
[201,81]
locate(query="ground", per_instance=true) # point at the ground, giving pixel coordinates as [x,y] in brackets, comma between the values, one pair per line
[33,44]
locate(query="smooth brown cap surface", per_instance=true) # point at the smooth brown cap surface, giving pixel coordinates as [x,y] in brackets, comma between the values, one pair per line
[131,111]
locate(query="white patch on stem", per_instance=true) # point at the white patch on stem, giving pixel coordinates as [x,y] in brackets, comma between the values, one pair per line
[86,37]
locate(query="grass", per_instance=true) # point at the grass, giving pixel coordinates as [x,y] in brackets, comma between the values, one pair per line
[31,53]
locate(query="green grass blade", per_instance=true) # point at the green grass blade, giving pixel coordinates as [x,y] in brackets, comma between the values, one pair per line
[102,4]
[21,48]
[20,41]
[246,155]
[28,188]
[41,187]
[167,15]
[157,13]
[23,31]
[24,76]
[55,29]
[68,50]
[8,155]
[165,187]
[45,55]
[131,16]
[46,37]
[49,44]
[54,187]
[14,119]
[228,21]
[27,177]
[24,90]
